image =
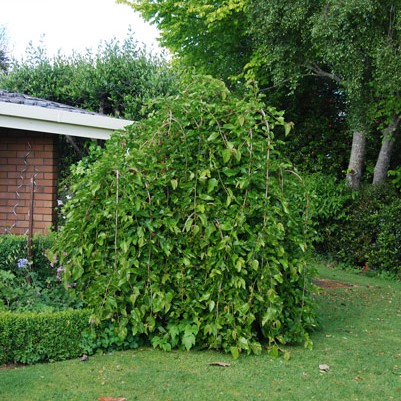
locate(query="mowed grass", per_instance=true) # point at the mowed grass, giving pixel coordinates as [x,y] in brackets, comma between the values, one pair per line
[359,339]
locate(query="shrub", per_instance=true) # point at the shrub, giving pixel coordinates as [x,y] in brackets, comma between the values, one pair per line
[37,337]
[14,248]
[366,231]
[183,231]
[330,199]
[30,285]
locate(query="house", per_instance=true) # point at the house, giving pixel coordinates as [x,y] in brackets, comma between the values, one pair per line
[29,133]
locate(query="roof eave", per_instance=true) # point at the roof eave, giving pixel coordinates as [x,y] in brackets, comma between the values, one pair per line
[55,121]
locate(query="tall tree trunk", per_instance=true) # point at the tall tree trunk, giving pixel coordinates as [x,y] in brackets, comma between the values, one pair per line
[356,160]
[386,150]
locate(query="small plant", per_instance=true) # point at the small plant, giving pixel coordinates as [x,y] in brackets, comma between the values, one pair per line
[34,285]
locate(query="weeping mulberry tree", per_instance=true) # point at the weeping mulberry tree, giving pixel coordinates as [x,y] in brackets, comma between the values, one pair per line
[190,230]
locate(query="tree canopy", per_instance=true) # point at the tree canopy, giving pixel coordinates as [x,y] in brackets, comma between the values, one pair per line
[210,36]
[354,44]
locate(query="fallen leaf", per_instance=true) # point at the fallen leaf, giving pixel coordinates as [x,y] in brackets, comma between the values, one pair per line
[324,368]
[111,399]
[222,364]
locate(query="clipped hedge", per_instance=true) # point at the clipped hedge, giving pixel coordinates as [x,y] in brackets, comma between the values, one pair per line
[39,337]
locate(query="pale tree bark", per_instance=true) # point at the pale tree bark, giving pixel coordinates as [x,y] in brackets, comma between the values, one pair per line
[356,160]
[386,151]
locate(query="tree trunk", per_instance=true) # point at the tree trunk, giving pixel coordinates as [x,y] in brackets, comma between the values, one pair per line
[386,150]
[356,160]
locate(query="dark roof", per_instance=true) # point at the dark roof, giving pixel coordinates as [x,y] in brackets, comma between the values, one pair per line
[18,98]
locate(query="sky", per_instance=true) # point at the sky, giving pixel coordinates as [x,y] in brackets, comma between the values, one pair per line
[67,25]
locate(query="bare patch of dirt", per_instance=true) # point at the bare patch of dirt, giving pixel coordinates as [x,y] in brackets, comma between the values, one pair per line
[328,284]
[10,366]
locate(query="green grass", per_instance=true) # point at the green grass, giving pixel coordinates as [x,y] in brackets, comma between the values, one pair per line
[359,338]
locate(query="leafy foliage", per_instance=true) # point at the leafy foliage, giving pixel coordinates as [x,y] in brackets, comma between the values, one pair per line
[210,36]
[330,203]
[385,254]
[348,48]
[184,233]
[116,80]
[363,229]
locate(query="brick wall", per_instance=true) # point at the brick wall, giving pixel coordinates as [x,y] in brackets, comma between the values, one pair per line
[26,157]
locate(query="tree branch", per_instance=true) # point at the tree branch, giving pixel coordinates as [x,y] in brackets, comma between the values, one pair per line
[321,73]
[72,142]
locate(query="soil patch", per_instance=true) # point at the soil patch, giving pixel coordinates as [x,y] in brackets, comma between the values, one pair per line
[10,366]
[327,283]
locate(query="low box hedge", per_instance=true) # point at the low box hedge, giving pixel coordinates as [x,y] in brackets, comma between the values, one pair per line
[39,337]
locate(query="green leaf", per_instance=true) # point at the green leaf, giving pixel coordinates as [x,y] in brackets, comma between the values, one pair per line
[206,197]
[188,224]
[173,330]
[287,128]
[226,227]
[229,172]
[269,315]
[212,184]
[234,352]
[273,351]
[188,340]
[226,155]
[213,136]
[243,343]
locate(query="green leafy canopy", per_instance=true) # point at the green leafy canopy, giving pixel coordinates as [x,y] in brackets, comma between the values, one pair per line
[190,230]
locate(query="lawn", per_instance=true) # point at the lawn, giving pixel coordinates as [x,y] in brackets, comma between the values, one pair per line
[359,339]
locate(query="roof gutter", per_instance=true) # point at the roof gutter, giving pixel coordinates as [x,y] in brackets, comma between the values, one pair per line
[58,121]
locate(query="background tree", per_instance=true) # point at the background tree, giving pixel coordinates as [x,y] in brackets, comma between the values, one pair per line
[4,60]
[283,43]
[116,80]
[333,40]
[209,36]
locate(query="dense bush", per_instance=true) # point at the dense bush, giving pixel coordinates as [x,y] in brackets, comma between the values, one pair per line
[364,229]
[330,199]
[33,285]
[385,252]
[36,337]
[183,232]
